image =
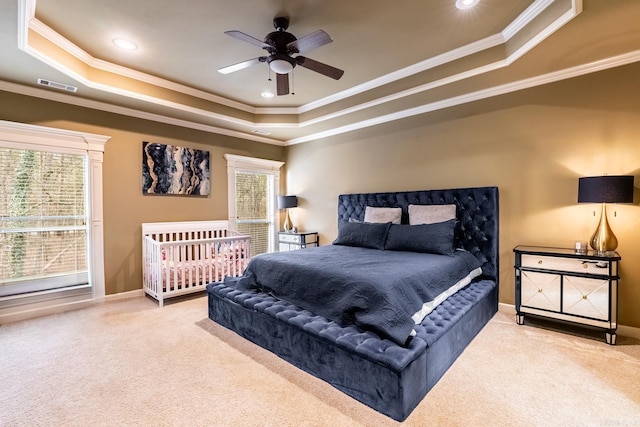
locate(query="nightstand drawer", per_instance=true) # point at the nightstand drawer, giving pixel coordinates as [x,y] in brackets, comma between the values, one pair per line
[573,265]
[290,238]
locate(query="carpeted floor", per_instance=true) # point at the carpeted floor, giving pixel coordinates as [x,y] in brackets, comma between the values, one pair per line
[130,363]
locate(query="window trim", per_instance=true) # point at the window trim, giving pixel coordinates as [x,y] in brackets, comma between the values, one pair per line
[41,138]
[237,163]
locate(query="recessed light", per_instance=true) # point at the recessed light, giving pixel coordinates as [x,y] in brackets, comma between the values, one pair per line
[267,94]
[125,44]
[466,4]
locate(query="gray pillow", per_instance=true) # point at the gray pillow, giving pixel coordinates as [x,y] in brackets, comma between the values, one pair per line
[434,238]
[362,234]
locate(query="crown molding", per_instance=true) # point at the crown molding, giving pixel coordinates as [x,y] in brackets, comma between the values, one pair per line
[131,112]
[489,42]
[69,47]
[427,64]
[580,70]
[27,21]
[530,13]
[593,67]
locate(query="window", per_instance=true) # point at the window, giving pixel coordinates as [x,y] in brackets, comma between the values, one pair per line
[254,213]
[43,220]
[252,191]
[51,227]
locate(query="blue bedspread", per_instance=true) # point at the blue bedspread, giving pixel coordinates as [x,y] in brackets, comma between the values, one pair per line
[376,290]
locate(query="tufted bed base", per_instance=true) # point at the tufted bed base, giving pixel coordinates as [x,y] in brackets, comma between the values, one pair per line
[379,373]
[387,377]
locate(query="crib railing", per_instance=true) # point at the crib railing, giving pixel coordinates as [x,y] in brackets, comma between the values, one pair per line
[179,262]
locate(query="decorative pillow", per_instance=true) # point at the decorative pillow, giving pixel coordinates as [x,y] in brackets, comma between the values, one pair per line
[429,214]
[436,238]
[378,215]
[362,234]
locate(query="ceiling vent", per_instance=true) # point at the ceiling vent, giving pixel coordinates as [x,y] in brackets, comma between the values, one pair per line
[56,85]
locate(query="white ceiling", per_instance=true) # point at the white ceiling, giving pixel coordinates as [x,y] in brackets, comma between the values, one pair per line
[400,58]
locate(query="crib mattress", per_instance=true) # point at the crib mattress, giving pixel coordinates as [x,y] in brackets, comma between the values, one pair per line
[381,374]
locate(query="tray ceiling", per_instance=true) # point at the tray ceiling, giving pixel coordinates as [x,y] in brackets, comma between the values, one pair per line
[400,59]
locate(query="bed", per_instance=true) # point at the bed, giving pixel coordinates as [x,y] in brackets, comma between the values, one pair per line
[182,257]
[362,357]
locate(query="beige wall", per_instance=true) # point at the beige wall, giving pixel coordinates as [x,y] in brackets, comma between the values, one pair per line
[125,207]
[533,145]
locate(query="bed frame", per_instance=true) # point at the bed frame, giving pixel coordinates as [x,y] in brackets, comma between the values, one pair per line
[182,257]
[389,378]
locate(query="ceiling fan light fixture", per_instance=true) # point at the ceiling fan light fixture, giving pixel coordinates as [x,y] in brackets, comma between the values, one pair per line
[280,45]
[281,66]
[466,4]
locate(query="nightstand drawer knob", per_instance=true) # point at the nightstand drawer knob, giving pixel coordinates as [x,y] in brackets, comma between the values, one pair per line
[540,262]
[585,265]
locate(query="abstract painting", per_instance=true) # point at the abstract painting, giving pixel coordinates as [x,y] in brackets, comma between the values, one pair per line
[169,169]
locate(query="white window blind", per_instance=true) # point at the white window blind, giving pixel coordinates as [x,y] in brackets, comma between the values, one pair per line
[253,193]
[257,181]
[43,220]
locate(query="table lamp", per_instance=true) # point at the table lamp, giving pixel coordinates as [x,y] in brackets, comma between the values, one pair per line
[605,189]
[287,202]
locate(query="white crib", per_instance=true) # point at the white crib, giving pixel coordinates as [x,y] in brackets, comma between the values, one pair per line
[182,257]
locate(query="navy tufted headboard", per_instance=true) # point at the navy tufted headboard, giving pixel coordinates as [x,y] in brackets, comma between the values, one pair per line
[477,211]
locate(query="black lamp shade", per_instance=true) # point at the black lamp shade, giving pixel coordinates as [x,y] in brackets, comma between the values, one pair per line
[606,189]
[286,202]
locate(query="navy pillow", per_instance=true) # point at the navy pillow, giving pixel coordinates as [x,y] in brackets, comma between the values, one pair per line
[362,234]
[434,238]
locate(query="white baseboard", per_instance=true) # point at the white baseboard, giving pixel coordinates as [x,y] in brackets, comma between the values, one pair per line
[626,331]
[123,295]
[629,331]
[507,308]
[63,307]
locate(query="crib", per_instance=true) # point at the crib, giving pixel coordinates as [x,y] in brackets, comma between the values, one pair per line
[182,257]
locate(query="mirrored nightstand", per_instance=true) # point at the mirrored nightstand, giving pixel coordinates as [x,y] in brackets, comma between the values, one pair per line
[299,240]
[562,284]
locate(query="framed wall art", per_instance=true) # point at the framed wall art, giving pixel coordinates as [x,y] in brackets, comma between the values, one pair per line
[170,169]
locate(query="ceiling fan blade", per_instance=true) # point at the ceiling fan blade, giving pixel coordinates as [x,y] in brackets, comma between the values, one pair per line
[249,39]
[282,84]
[319,67]
[241,65]
[310,41]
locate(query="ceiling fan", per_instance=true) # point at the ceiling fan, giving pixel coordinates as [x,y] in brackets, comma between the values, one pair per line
[281,45]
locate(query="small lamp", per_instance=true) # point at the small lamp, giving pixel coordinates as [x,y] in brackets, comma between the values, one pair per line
[605,189]
[287,202]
